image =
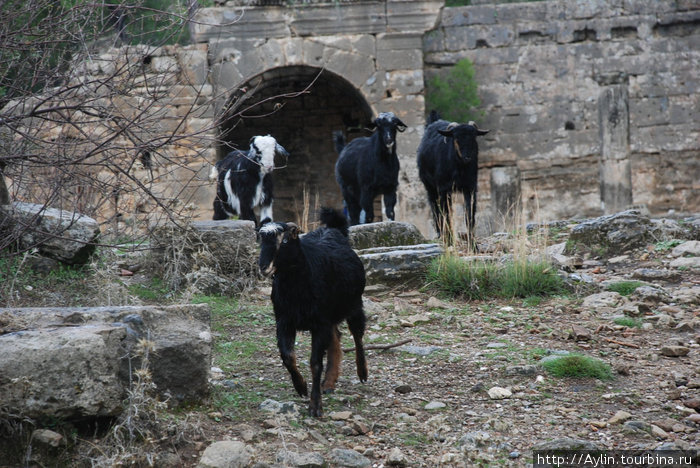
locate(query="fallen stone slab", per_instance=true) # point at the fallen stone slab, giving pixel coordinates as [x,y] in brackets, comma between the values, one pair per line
[226,248]
[66,236]
[384,234]
[398,265]
[78,362]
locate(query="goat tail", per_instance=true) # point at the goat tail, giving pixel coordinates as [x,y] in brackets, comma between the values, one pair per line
[334,219]
[339,140]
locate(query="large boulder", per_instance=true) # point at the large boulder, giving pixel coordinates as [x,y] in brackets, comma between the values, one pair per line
[620,232]
[399,264]
[384,234]
[78,362]
[66,236]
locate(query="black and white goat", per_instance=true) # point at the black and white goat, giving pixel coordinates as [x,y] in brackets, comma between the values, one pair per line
[244,180]
[367,167]
[448,161]
[318,281]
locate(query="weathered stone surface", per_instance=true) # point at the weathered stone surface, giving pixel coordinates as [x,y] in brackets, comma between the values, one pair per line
[400,264]
[348,459]
[674,351]
[615,233]
[226,454]
[690,248]
[63,235]
[75,362]
[384,234]
[302,460]
[566,443]
[226,248]
[67,372]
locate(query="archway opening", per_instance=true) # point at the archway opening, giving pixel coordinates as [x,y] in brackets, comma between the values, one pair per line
[301,107]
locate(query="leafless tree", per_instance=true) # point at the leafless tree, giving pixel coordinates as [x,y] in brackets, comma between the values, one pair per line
[91,124]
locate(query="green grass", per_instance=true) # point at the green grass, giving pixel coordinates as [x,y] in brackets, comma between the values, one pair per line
[578,366]
[625,288]
[477,280]
[628,322]
[153,291]
[664,246]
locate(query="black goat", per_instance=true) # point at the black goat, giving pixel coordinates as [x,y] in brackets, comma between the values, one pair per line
[318,281]
[367,167]
[244,180]
[448,161]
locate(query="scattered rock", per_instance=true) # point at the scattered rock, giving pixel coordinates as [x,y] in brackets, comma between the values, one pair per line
[48,438]
[652,274]
[396,458]
[226,454]
[566,443]
[403,389]
[340,415]
[434,405]
[305,460]
[499,393]
[272,406]
[347,458]
[619,417]
[605,299]
[674,351]
[689,248]
[636,426]
[692,263]
[434,303]
[579,333]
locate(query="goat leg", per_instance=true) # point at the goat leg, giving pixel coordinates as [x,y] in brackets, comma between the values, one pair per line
[367,204]
[389,203]
[334,358]
[320,341]
[356,324]
[285,343]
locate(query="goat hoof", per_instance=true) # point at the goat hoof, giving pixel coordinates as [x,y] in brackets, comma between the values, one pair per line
[315,412]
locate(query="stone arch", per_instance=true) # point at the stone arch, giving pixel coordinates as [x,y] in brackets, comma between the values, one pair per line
[300,105]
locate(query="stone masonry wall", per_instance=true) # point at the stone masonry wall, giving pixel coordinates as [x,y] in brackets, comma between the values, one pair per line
[586,101]
[542,68]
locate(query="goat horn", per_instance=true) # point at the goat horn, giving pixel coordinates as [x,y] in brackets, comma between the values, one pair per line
[473,124]
[452,125]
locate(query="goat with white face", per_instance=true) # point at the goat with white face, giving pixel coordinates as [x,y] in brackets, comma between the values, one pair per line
[367,167]
[244,180]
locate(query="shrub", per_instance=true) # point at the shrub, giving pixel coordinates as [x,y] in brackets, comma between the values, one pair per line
[628,322]
[624,288]
[455,277]
[525,278]
[478,280]
[578,366]
[455,96]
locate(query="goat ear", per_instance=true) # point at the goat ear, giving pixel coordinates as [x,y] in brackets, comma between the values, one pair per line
[281,151]
[447,133]
[372,125]
[400,126]
[293,230]
[481,132]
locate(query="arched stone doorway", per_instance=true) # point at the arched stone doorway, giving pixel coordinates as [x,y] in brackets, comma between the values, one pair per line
[301,106]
